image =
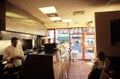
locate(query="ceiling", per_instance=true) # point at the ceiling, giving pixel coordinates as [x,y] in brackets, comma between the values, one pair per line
[80,11]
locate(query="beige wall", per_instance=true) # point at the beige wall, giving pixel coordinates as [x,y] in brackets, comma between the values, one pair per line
[103,35]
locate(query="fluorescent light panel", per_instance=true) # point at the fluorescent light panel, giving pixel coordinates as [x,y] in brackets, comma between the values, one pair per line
[55,18]
[52,15]
[67,20]
[48,10]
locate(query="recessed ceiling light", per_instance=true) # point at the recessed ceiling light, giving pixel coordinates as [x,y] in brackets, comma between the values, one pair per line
[78,13]
[67,20]
[52,15]
[48,10]
[55,18]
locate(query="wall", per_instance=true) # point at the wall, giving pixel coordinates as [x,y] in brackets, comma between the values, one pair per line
[103,33]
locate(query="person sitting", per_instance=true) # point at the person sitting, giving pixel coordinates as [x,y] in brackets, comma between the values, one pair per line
[100,67]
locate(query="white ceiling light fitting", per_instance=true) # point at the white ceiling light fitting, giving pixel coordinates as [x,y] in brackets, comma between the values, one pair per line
[67,20]
[48,10]
[55,18]
[51,12]
[78,13]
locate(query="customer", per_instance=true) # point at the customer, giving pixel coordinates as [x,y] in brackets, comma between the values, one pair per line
[13,54]
[76,46]
[100,68]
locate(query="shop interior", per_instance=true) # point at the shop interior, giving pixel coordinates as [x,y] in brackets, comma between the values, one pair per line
[60,38]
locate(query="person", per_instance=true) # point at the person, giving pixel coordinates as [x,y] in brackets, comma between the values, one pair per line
[100,67]
[14,55]
[76,46]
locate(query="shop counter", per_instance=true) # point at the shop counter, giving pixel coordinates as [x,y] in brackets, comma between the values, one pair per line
[44,66]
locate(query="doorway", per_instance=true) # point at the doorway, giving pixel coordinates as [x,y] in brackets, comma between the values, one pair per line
[85,36]
[76,44]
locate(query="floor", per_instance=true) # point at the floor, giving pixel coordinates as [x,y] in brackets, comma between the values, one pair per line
[79,69]
[87,55]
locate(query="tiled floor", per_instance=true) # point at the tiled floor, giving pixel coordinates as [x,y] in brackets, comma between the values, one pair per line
[79,69]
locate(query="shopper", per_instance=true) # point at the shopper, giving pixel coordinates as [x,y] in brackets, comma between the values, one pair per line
[100,67]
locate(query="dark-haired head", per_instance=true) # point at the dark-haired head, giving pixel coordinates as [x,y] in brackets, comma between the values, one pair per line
[14,38]
[101,55]
[14,41]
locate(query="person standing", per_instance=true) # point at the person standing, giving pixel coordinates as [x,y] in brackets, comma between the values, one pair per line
[76,46]
[14,55]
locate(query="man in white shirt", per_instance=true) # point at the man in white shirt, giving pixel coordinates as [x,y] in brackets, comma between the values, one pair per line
[13,54]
